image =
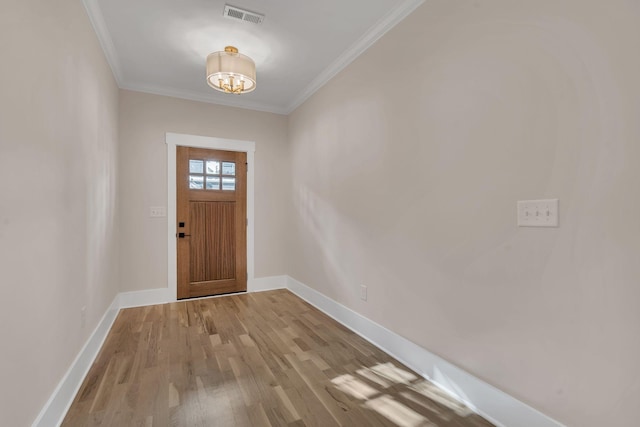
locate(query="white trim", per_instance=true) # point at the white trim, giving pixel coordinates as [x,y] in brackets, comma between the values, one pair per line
[56,408]
[211,98]
[267,283]
[493,404]
[104,37]
[163,295]
[145,297]
[355,50]
[178,139]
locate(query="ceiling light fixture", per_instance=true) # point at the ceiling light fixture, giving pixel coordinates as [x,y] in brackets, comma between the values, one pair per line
[231,72]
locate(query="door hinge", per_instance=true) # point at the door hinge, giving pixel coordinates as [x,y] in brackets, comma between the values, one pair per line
[247,222]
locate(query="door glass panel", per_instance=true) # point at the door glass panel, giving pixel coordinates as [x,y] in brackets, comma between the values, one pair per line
[196,182]
[228,168]
[213,167]
[196,166]
[209,175]
[213,183]
[228,184]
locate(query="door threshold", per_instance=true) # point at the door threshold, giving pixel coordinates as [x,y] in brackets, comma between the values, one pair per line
[212,296]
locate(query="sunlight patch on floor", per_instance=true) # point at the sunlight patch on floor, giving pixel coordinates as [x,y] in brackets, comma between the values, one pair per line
[384,375]
[373,377]
[392,373]
[353,386]
[371,390]
[430,391]
[397,412]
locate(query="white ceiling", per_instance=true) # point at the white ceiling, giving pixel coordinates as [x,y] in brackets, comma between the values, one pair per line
[160,46]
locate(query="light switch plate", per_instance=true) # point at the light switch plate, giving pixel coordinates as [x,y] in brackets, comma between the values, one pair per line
[538,213]
[157,212]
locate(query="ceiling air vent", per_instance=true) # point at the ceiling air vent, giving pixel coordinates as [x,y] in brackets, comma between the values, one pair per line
[233,12]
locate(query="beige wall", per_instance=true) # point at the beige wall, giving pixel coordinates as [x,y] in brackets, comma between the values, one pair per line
[58,164]
[406,169]
[144,120]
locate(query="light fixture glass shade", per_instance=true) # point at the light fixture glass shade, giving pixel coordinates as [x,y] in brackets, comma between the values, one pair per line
[231,72]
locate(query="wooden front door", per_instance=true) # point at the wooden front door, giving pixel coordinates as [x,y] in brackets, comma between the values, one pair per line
[212,233]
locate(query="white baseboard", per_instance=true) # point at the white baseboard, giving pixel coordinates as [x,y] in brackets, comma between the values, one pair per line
[58,404]
[146,297]
[493,404]
[267,283]
[163,295]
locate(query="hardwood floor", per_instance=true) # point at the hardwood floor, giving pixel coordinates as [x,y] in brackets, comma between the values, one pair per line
[260,359]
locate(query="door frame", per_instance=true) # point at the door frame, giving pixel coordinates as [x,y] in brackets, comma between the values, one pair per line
[175,139]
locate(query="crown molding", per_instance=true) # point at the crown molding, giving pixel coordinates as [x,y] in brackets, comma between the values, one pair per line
[199,97]
[356,49]
[100,27]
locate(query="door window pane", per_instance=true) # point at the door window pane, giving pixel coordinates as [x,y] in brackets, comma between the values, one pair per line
[196,166]
[229,184]
[196,182]
[228,168]
[213,183]
[213,167]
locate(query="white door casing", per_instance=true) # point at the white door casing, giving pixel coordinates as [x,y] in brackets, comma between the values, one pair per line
[177,139]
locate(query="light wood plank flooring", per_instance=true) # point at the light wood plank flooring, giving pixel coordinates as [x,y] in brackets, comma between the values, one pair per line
[260,359]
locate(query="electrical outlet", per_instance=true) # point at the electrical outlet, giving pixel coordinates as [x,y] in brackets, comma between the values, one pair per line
[157,212]
[538,213]
[363,292]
